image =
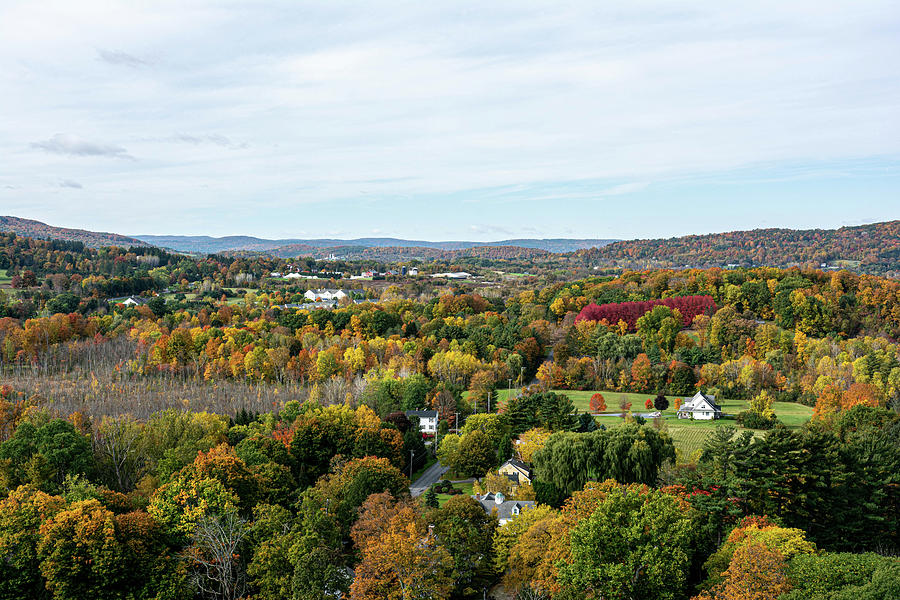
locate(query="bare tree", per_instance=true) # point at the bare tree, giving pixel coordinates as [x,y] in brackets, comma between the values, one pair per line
[218,567]
[118,450]
[333,391]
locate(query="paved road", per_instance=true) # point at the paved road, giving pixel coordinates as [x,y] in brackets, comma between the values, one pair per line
[431,475]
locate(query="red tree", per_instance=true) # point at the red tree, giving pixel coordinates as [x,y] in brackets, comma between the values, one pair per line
[597,403]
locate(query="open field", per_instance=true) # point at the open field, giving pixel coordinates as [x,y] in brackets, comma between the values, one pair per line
[4,278]
[688,435]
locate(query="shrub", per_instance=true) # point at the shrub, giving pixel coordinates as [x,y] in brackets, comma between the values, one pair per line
[752,420]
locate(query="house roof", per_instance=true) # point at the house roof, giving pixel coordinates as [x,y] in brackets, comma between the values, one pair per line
[426,414]
[518,464]
[690,404]
[505,510]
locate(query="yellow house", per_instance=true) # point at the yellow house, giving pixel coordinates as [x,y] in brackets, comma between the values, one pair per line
[517,471]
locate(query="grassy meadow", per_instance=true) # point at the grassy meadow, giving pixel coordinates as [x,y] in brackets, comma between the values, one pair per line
[688,435]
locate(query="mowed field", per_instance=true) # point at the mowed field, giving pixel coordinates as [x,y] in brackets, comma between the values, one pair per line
[687,435]
[5,279]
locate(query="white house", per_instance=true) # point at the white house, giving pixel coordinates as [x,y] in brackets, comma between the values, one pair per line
[700,406]
[134,301]
[317,295]
[428,420]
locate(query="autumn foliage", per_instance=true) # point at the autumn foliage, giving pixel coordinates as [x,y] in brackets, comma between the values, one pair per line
[597,403]
[630,312]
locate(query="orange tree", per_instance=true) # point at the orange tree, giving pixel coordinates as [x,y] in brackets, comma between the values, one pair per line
[400,557]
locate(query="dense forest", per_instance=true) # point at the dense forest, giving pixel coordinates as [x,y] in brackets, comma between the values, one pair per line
[93,239]
[215,441]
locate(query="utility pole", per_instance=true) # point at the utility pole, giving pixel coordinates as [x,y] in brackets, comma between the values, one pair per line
[456,421]
[411,455]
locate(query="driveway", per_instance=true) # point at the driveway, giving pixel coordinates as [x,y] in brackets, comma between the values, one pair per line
[431,475]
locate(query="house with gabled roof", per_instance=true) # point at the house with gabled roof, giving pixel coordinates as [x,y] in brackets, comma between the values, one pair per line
[428,420]
[134,301]
[701,406]
[516,471]
[506,510]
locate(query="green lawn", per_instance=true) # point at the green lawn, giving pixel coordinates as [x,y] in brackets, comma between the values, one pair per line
[466,491]
[4,278]
[688,435]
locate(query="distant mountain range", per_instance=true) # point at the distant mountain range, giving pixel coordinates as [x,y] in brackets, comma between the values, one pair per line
[872,248]
[235,243]
[93,239]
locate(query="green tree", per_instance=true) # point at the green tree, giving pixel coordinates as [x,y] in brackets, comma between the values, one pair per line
[297,558]
[549,410]
[463,528]
[476,454]
[629,454]
[44,453]
[346,489]
[495,426]
[659,327]
[637,544]
[843,576]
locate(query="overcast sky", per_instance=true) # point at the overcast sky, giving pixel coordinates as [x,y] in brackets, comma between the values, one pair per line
[449,120]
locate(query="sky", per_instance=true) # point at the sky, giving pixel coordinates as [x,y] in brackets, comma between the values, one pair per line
[449,120]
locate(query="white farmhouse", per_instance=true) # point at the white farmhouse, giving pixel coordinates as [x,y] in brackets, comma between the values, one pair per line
[428,420]
[134,301]
[700,406]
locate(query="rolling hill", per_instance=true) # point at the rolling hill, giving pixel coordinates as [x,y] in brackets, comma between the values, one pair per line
[93,239]
[283,247]
[873,248]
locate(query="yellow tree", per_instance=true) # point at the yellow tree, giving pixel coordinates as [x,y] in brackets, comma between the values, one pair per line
[530,442]
[761,404]
[401,560]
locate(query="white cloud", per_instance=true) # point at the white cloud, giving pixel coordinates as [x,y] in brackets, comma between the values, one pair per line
[329,102]
[119,58]
[63,143]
